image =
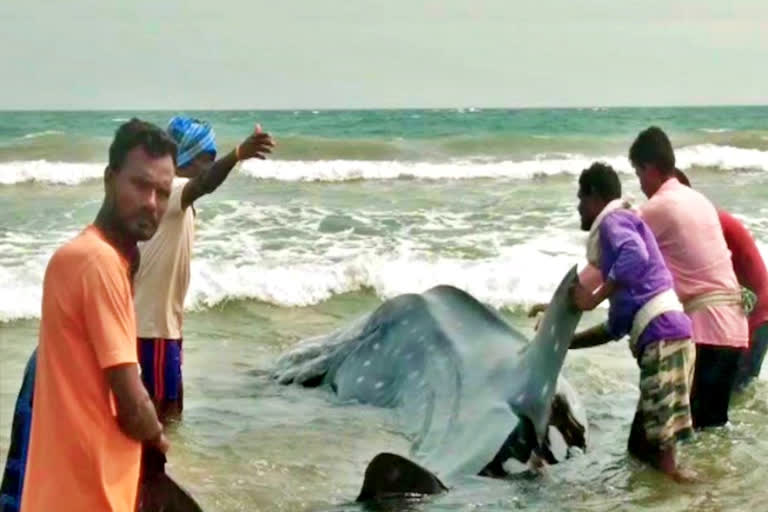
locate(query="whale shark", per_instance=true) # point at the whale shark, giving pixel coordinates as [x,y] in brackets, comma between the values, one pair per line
[468,389]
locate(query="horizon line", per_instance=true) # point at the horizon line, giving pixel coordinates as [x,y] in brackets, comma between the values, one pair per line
[341,109]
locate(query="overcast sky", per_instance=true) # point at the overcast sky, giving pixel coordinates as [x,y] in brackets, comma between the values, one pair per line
[174,54]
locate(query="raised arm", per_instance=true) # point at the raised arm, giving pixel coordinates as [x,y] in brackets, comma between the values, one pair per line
[257,145]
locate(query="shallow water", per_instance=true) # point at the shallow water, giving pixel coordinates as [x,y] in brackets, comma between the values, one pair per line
[246,443]
[357,207]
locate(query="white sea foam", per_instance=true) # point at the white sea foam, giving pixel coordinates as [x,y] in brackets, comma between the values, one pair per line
[518,276]
[726,158]
[309,265]
[506,280]
[57,173]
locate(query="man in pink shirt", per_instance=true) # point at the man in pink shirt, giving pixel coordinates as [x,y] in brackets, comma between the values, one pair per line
[689,235]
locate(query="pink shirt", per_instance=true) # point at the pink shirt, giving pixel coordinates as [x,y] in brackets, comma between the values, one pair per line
[688,231]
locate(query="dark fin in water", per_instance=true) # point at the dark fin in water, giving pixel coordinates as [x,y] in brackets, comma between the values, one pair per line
[563,419]
[391,476]
[519,446]
[158,492]
[314,382]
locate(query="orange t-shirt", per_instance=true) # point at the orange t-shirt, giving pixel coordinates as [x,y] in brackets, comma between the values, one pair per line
[79,459]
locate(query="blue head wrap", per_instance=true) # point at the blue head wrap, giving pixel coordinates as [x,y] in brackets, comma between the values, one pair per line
[192,138]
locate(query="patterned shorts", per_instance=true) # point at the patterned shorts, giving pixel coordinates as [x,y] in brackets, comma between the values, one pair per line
[666,377]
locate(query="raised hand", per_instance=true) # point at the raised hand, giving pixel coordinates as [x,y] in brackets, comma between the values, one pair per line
[256,145]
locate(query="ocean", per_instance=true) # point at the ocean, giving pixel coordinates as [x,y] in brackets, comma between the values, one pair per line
[355,207]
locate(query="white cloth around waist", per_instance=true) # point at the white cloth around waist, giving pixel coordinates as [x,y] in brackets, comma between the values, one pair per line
[664,302]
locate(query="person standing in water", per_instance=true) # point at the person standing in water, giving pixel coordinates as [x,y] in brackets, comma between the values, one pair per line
[163,276]
[91,412]
[689,234]
[644,306]
[752,274]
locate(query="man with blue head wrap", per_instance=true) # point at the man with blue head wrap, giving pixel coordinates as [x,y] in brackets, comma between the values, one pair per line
[162,280]
[194,138]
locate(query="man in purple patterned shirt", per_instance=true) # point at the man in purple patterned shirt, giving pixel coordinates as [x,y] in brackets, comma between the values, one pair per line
[643,305]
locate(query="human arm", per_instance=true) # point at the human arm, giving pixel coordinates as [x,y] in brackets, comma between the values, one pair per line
[534,311]
[589,278]
[256,145]
[626,251]
[592,337]
[624,258]
[748,264]
[586,300]
[136,413]
[537,308]
[110,327]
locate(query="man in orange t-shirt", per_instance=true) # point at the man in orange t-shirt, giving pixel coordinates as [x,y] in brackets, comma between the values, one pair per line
[91,412]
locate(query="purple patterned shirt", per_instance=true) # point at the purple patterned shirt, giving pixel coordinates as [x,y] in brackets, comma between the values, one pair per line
[630,256]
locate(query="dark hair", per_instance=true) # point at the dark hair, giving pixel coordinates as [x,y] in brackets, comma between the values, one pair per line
[682,178]
[135,133]
[652,146]
[600,179]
